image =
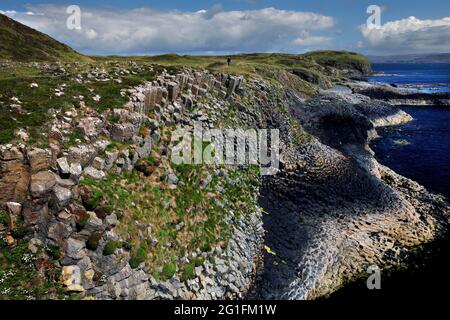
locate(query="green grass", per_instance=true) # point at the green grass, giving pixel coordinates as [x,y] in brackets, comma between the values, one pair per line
[92,203]
[341,60]
[257,64]
[4,219]
[19,279]
[188,272]
[148,200]
[169,270]
[15,82]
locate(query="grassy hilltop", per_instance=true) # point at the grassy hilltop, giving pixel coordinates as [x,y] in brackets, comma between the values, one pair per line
[319,62]
[21,43]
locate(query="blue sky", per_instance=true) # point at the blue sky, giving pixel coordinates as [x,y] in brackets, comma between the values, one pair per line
[150,27]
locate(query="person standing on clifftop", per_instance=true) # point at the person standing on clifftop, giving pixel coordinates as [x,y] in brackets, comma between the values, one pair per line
[229,61]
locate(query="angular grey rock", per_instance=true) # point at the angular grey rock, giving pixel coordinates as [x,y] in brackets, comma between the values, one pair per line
[63,167]
[94,173]
[123,132]
[156,136]
[75,171]
[172,179]
[90,126]
[62,195]
[145,149]
[111,157]
[93,225]
[101,145]
[42,183]
[179,226]
[58,232]
[206,181]
[111,220]
[83,154]
[74,249]
[98,163]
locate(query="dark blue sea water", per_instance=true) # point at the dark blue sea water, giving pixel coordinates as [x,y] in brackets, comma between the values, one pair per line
[419,150]
[425,77]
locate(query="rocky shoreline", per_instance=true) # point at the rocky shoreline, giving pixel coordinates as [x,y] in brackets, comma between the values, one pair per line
[397,95]
[334,210]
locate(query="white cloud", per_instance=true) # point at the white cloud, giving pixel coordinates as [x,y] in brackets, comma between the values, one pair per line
[305,39]
[144,31]
[410,35]
[10,13]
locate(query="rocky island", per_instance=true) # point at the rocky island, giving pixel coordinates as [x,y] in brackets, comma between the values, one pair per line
[91,207]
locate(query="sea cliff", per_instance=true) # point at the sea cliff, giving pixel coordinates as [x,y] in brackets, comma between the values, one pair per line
[99,211]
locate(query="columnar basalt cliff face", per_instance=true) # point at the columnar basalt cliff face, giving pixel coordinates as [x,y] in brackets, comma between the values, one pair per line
[104,206]
[48,192]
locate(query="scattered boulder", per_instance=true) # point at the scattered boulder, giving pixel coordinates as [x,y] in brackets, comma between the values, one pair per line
[75,171]
[63,167]
[42,183]
[98,163]
[172,179]
[62,195]
[90,126]
[74,249]
[93,224]
[111,221]
[39,160]
[83,154]
[58,232]
[93,173]
[71,278]
[14,175]
[14,211]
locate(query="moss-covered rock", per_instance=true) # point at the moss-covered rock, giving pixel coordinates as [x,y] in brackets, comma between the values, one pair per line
[188,272]
[93,241]
[111,247]
[139,257]
[169,270]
